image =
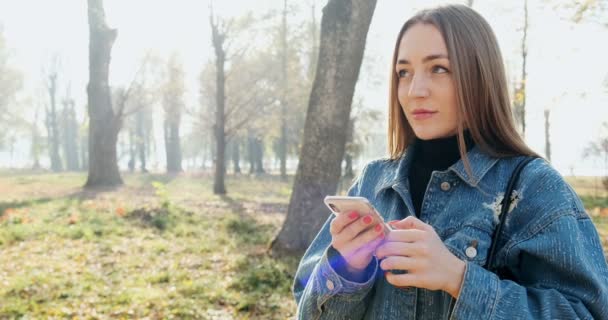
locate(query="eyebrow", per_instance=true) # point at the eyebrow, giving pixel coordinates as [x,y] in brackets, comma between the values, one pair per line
[425,59]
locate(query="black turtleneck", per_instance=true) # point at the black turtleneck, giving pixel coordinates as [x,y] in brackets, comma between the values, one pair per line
[432,155]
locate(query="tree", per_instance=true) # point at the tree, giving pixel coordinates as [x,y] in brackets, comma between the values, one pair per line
[519,102]
[298,61]
[218,37]
[84,144]
[11,81]
[70,131]
[285,87]
[143,125]
[236,154]
[599,149]
[104,122]
[592,10]
[173,104]
[152,85]
[357,138]
[242,92]
[52,117]
[256,153]
[105,116]
[314,42]
[36,139]
[344,28]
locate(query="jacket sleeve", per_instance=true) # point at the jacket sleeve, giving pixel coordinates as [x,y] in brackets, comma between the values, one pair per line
[322,293]
[556,279]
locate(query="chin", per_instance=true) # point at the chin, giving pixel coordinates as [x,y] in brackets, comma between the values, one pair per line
[423,134]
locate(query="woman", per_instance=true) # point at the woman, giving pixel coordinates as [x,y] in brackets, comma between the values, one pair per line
[453,149]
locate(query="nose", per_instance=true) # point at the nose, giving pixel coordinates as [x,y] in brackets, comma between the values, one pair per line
[419,86]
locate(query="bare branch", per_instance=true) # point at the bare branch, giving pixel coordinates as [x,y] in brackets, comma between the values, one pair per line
[250,117]
[124,97]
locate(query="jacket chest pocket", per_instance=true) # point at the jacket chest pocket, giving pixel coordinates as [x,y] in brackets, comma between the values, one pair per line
[470,243]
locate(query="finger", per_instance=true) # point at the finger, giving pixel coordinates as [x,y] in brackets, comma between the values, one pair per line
[411,222]
[351,231]
[410,235]
[341,221]
[368,249]
[398,249]
[402,280]
[399,263]
[365,240]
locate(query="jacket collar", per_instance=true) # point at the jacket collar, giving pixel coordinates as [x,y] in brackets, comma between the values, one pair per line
[397,174]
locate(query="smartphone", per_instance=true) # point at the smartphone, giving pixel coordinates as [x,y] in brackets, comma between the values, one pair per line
[342,204]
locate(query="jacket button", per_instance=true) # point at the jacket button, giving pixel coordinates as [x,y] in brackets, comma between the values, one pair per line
[445,186]
[471,252]
[330,285]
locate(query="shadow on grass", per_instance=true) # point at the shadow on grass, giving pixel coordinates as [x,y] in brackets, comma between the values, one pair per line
[236,206]
[23,203]
[152,177]
[78,196]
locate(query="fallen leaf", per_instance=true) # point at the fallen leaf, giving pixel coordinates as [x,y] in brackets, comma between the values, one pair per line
[73,219]
[120,211]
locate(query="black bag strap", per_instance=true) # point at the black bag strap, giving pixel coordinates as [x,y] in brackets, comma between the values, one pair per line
[506,203]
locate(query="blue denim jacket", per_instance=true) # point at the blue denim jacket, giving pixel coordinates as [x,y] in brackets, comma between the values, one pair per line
[549,248]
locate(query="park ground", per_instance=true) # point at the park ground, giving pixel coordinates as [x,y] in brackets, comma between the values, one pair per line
[159,247]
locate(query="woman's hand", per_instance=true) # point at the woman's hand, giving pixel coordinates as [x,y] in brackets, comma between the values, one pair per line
[356,238]
[414,246]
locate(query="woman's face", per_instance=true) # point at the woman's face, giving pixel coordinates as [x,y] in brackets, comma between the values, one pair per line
[426,89]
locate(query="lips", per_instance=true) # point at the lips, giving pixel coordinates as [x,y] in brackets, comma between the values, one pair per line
[421,114]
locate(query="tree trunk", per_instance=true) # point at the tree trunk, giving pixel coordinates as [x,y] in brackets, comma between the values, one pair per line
[520,98]
[84,151]
[236,155]
[251,152]
[172,145]
[53,130]
[547,137]
[70,135]
[344,28]
[314,48]
[220,131]
[350,145]
[35,141]
[173,104]
[140,140]
[524,73]
[131,150]
[259,156]
[104,125]
[283,139]
[348,165]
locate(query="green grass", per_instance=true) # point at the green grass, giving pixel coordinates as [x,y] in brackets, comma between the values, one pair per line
[159,247]
[593,202]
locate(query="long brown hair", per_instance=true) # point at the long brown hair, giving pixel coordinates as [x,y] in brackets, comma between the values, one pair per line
[478,71]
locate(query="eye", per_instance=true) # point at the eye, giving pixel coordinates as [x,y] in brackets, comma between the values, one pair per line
[440,69]
[402,73]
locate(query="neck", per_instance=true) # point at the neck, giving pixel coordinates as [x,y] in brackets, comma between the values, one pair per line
[442,152]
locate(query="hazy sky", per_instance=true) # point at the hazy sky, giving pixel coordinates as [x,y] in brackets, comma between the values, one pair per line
[566,61]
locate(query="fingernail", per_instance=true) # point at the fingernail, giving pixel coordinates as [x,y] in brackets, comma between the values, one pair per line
[367,220]
[378,228]
[353,215]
